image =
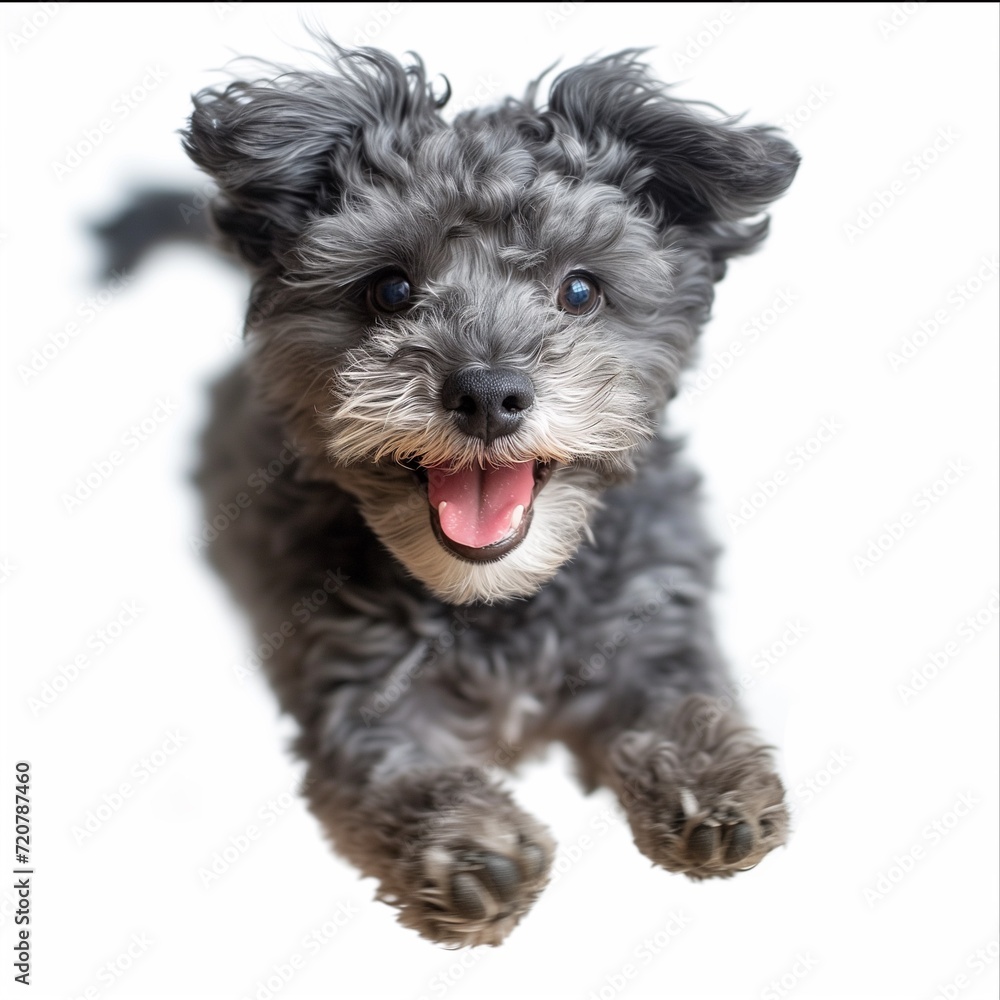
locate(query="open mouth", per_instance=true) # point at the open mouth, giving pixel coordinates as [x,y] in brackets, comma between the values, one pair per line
[481,514]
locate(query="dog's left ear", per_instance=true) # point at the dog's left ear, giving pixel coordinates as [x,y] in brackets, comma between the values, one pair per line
[695,170]
[278,148]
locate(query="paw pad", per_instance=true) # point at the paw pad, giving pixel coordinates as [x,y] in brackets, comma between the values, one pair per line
[486,879]
[740,843]
[721,843]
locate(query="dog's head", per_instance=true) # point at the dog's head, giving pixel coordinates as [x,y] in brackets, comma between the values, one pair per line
[474,327]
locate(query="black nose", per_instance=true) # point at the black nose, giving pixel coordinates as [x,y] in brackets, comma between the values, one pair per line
[487,402]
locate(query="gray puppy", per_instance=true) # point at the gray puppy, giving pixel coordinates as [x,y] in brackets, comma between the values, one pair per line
[470,536]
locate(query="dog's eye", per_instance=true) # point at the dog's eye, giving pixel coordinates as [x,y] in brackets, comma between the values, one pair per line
[390,292]
[578,294]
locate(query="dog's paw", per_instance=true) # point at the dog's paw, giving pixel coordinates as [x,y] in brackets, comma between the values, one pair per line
[729,832]
[472,864]
[707,803]
[471,895]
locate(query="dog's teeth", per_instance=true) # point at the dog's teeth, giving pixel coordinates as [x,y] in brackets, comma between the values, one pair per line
[515,517]
[441,507]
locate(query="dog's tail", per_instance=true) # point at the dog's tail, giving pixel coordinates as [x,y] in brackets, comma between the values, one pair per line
[149,219]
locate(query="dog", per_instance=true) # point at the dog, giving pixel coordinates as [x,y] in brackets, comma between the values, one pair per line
[462,531]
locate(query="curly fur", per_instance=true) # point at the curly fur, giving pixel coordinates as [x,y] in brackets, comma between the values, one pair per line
[595,631]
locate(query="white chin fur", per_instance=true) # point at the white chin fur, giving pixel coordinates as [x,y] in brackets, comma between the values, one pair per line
[400,518]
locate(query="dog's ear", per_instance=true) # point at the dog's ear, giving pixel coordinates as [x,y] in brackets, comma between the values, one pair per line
[696,171]
[278,148]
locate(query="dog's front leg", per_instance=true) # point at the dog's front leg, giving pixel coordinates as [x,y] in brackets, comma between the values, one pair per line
[697,784]
[420,809]
[699,788]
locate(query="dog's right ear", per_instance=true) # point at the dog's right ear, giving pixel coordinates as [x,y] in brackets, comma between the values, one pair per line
[695,169]
[279,148]
[707,174]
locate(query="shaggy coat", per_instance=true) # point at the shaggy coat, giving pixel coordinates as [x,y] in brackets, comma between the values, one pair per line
[461,340]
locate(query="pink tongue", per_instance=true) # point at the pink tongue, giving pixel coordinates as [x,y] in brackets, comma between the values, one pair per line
[479,502]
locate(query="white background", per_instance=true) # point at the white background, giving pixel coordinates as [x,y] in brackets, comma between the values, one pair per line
[871,763]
